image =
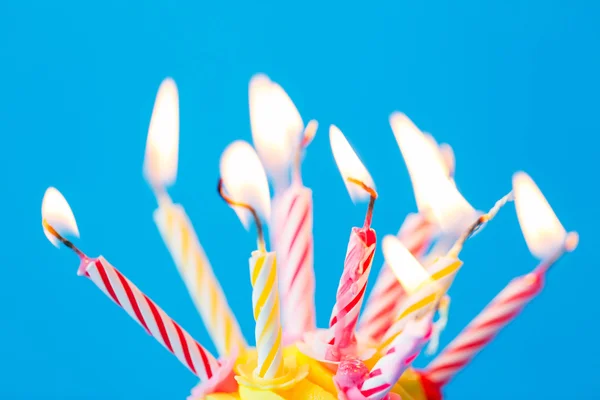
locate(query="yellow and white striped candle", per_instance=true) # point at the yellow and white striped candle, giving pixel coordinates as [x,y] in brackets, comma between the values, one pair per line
[196,271]
[265,306]
[426,298]
[160,170]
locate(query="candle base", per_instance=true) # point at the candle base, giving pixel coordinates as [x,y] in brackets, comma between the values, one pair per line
[316,345]
[221,383]
[292,374]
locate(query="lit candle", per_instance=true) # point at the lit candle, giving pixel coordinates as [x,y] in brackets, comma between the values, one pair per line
[387,293]
[417,233]
[160,169]
[429,286]
[277,133]
[57,215]
[548,241]
[361,247]
[431,168]
[244,179]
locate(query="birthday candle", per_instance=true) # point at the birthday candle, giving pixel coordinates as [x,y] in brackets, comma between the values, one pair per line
[293,222]
[160,169]
[425,291]
[57,213]
[417,231]
[277,138]
[387,293]
[430,286]
[547,240]
[265,304]
[244,178]
[431,168]
[402,352]
[361,247]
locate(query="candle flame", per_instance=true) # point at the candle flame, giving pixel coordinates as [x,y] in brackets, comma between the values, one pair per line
[245,180]
[407,269]
[350,166]
[276,125]
[162,145]
[445,155]
[434,191]
[57,213]
[543,231]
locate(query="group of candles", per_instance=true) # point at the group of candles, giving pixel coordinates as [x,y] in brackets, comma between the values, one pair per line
[422,261]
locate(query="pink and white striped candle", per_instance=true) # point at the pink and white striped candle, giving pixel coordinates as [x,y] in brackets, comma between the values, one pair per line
[294,243]
[390,367]
[386,296]
[361,248]
[546,239]
[483,329]
[352,286]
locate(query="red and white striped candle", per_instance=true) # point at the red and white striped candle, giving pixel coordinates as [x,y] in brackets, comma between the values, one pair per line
[293,235]
[383,302]
[57,212]
[151,317]
[402,352]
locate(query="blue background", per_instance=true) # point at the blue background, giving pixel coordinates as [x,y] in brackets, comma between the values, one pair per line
[511,85]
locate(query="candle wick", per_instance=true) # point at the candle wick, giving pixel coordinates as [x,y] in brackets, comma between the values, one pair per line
[479,224]
[162,197]
[372,193]
[63,240]
[307,137]
[233,203]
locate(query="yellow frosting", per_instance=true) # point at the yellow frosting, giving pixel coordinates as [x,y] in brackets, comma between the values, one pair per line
[410,382]
[223,396]
[304,390]
[305,378]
